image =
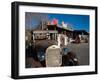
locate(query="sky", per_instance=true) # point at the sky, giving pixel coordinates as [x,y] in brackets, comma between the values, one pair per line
[78,22]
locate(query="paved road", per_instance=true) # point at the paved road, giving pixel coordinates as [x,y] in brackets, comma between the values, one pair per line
[82,52]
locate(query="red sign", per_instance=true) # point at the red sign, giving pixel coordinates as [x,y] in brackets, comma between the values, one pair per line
[54,22]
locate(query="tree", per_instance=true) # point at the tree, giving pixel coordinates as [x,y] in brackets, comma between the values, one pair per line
[35,20]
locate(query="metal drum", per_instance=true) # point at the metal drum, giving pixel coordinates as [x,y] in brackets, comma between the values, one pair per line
[53,56]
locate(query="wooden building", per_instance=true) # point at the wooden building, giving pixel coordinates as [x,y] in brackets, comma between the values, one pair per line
[61,30]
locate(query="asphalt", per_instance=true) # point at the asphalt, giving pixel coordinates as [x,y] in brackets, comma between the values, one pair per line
[82,52]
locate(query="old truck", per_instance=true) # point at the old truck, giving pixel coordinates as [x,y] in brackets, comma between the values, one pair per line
[44,51]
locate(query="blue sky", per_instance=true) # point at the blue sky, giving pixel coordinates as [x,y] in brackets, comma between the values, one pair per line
[78,22]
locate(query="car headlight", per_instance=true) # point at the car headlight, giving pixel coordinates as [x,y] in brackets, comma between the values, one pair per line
[65,51]
[41,55]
